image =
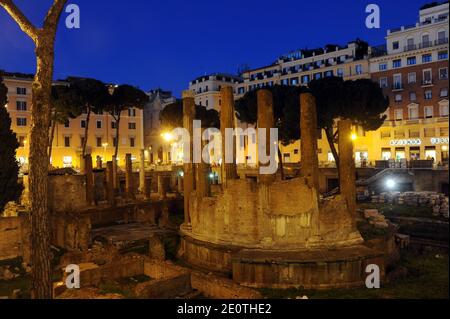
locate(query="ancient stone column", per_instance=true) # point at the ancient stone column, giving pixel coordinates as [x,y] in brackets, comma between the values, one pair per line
[202,171]
[115,176]
[99,162]
[229,170]
[162,186]
[89,179]
[180,184]
[308,129]
[142,172]
[188,167]
[109,184]
[347,170]
[129,177]
[266,121]
[148,188]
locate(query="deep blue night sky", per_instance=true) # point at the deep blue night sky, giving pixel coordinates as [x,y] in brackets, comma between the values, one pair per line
[168,43]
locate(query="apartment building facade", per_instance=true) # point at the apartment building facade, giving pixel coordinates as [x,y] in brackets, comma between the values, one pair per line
[67,141]
[412,69]
[413,72]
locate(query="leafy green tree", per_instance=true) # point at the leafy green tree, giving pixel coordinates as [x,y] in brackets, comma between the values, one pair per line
[92,96]
[172,116]
[65,105]
[362,101]
[123,98]
[10,189]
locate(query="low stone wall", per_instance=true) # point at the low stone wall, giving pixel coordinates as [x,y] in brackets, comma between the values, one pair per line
[71,231]
[67,193]
[221,288]
[14,240]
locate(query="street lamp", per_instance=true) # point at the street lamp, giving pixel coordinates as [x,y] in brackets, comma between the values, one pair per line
[353,137]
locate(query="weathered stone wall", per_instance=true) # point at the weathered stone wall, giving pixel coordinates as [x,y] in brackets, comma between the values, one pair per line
[67,193]
[71,231]
[284,214]
[10,238]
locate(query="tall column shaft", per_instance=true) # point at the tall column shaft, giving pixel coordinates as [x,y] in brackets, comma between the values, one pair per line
[109,184]
[308,129]
[347,170]
[89,179]
[188,168]
[142,172]
[129,177]
[265,120]
[202,171]
[115,176]
[229,170]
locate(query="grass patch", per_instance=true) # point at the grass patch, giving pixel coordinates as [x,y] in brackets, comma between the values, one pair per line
[427,279]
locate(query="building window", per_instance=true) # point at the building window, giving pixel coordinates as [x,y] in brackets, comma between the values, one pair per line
[428,95]
[442,55]
[21,105]
[66,141]
[413,112]
[399,134]
[429,132]
[99,124]
[21,91]
[67,124]
[428,112]
[411,60]
[443,73]
[340,72]
[131,126]
[21,141]
[132,142]
[412,96]
[132,112]
[426,58]
[383,82]
[83,123]
[67,161]
[305,79]
[21,121]
[398,98]
[359,69]
[414,133]
[444,92]
[395,45]
[412,77]
[397,82]
[427,77]
[113,124]
[382,66]
[385,134]
[443,109]
[398,114]
[241,90]
[99,142]
[317,76]
[294,81]
[397,63]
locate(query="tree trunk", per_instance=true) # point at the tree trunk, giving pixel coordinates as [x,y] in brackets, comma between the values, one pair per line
[86,131]
[280,159]
[41,283]
[50,141]
[116,151]
[330,139]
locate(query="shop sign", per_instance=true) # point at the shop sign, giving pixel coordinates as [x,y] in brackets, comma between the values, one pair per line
[413,141]
[439,140]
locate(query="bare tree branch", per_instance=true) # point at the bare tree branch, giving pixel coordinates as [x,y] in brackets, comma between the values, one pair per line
[52,18]
[20,18]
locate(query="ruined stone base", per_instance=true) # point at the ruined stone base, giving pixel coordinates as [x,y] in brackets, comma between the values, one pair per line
[307,268]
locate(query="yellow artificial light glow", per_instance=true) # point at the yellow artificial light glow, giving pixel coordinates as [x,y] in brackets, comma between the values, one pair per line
[445,148]
[354,137]
[167,137]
